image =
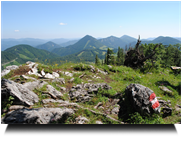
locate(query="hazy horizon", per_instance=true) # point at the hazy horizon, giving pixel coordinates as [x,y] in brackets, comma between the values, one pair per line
[100,19]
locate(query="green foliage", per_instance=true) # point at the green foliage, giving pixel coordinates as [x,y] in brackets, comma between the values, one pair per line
[47,69]
[136,118]
[7,102]
[120,56]
[81,67]
[77,80]
[97,61]
[109,58]
[9,75]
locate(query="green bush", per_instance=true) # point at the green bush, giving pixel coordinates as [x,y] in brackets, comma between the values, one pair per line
[136,118]
[81,67]
[77,80]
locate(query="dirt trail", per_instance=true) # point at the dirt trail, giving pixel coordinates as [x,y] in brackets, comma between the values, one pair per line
[8,62]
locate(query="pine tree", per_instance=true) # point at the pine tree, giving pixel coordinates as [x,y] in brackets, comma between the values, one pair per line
[97,62]
[109,57]
[120,57]
[105,60]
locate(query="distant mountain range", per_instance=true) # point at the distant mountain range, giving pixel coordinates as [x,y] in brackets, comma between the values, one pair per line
[84,49]
[111,41]
[87,42]
[49,46]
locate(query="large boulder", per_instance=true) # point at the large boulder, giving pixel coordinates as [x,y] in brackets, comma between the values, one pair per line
[36,116]
[21,94]
[142,99]
[8,69]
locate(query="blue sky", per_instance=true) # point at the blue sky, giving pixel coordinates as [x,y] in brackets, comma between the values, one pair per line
[64,19]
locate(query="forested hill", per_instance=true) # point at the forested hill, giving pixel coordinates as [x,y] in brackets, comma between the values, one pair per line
[24,53]
[86,42]
[49,46]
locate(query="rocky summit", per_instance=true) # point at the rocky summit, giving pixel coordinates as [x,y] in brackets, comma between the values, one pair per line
[35,93]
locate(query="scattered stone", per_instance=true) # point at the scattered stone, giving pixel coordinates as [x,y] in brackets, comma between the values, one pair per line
[98,105]
[139,96]
[31,64]
[35,84]
[178,108]
[115,101]
[175,68]
[60,80]
[71,80]
[98,122]
[167,111]
[81,75]
[27,77]
[84,92]
[165,105]
[92,69]
[105,73]
[16,107]
[49,76]
[115,110]
[21,94]
[8,69]
[81,120]
[53,92]
[109,66]
[61,88]
[56,75]
[42,72]
[37,116]
[68,74]
[165,89]
[44,101]
[17,80]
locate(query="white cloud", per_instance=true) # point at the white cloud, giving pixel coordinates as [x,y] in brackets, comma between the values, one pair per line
[62,23]
[16,30]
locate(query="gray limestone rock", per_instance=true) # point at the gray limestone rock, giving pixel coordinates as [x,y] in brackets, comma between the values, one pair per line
[54,92]
[139,96]
[60,80]
[8,69]
[81,120]
[34,84]
[36,116]
[21,94]
[84,92]
[49,76]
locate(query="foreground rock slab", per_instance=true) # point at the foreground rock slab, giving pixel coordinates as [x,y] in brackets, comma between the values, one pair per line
[37,116]
[21,94]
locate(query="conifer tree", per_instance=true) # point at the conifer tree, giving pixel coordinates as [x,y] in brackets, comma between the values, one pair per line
[97,62]
[109,57]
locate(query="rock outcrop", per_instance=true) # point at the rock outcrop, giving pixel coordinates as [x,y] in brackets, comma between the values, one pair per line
[37,116]
[21,94]
[8,69]
[84,92]
[53,92]
[35,84]
[81,120]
